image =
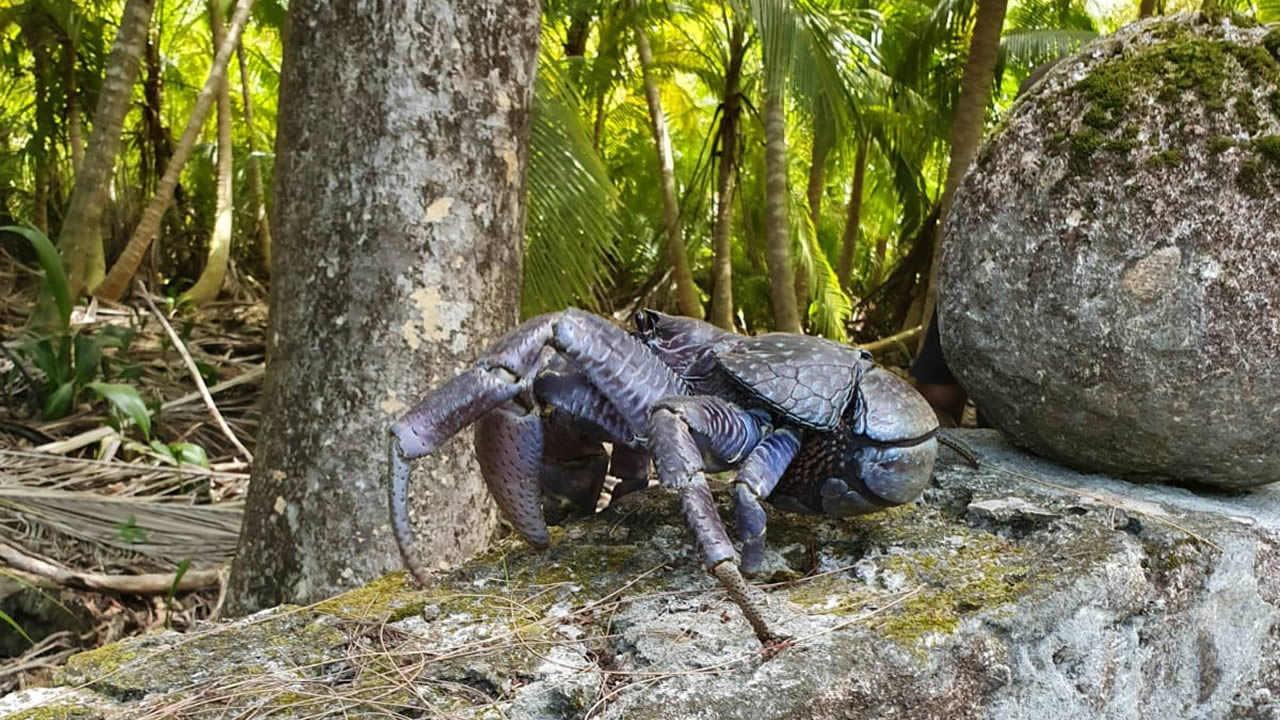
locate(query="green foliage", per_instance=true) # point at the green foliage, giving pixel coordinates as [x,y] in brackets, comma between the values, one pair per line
[125,403]
[55,278]
[4,617]
[130,532]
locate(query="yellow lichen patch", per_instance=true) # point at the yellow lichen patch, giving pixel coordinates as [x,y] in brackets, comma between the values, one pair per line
[438,210]
[392,405]
[428,302]
[99,661]
[386,597]
[70,711]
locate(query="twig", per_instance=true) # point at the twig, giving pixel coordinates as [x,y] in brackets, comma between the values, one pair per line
[195,375]
[89,437]
[144,584]
[898,338]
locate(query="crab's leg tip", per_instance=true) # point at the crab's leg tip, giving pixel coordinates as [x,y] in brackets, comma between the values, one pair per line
[741,593]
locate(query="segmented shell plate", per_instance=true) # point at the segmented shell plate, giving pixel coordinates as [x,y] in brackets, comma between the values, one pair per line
[808,380]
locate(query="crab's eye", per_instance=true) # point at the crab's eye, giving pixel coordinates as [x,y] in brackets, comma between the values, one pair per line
[644,321]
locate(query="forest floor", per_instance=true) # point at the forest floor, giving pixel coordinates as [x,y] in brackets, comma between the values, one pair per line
[97,514]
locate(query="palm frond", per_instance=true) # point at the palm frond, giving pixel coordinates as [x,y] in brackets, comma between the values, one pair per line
[572,205]
[1033,47]
[828,307]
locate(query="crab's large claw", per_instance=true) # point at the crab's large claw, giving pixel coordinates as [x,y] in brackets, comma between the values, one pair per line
[895,466]
[509,444]
[619,381]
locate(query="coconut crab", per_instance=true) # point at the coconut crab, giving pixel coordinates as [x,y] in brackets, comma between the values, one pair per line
[811,425]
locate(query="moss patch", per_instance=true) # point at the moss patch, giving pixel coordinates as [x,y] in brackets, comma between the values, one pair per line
[1166,159]
[1185,67]
[69,711]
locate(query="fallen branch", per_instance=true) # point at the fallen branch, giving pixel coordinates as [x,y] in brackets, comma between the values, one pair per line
[144,584]
[195,375]
[901,338]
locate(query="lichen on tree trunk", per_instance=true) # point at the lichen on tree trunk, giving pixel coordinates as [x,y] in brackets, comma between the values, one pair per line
[399,219]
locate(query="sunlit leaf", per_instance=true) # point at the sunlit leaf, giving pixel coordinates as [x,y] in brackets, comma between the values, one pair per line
[127,402]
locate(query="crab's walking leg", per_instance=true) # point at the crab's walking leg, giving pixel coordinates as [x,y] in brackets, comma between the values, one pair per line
[756,480]
[680,429]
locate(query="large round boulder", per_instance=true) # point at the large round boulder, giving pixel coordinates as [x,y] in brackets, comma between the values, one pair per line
[1110,285]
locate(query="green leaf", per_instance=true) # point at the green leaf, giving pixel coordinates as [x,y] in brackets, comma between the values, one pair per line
[54,276]
[42,356]
[87,356]
[190,454]
[58,403]
[164,451]
[130,532]
[125,400]
[12,623]
[177,577]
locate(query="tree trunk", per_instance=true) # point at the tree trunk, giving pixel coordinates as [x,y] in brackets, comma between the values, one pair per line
[966,132]
[722,233]
[882,247]
[158,140]
[849,242]
[399,220]
[824,137]
[75,133]
[263,227]
[686,291]
[45,131]
[215,267]
[117,280]
[80,240]
[782,282]
[1146,8]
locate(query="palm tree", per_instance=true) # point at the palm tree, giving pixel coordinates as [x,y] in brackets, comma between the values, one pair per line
[79,241]
[116,282]
[686,291]
[215,268]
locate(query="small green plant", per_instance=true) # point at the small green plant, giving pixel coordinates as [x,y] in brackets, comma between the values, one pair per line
[130,532]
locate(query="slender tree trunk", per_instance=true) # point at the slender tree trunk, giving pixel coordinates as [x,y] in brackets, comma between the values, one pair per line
[686,291]
[80,240]
[44,126]
[75,133]
[117,280]
[597,130]
[722,233]
[399,219]
[882,247]
[1146,8]
[215,268]
[158,140]
[782,281]
[966,132]
[263,227]
[824,137]
[849,242]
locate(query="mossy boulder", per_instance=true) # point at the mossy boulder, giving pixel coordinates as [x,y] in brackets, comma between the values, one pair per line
[1110,285]
[1017,590]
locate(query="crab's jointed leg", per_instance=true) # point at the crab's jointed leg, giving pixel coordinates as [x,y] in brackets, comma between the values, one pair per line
[681,429]
[755,481]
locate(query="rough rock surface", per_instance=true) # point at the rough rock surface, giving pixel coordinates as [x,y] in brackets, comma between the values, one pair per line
[1110,288]
[1018,590]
